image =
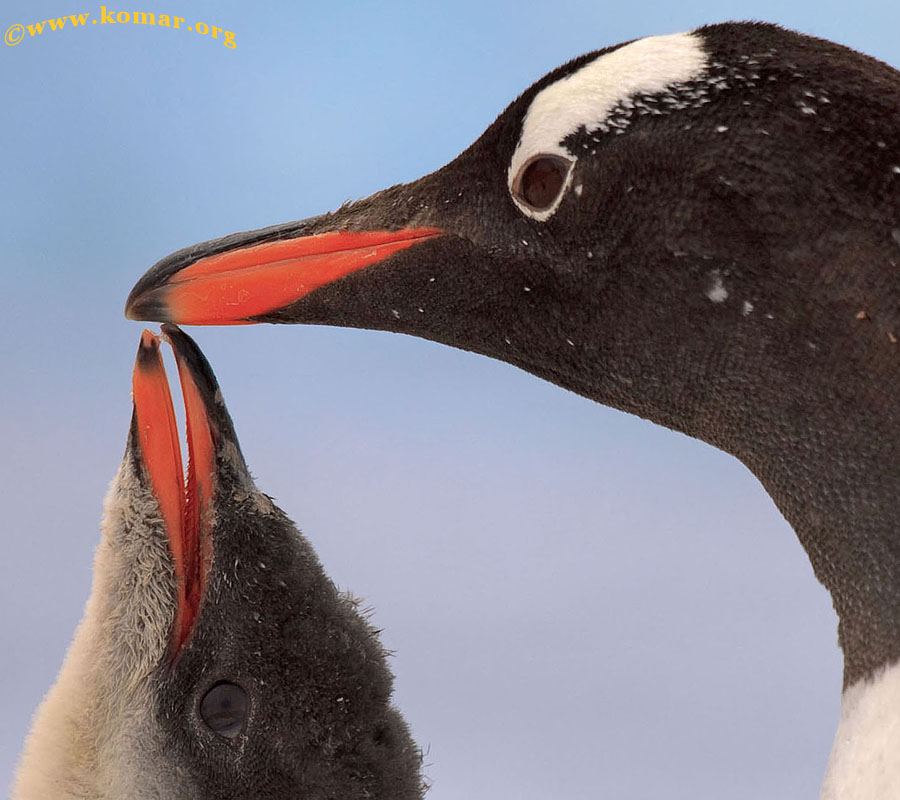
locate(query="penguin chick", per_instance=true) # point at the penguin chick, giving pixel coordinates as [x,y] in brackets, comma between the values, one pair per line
[215,658]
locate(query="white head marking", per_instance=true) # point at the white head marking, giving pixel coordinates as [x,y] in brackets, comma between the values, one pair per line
[584,98]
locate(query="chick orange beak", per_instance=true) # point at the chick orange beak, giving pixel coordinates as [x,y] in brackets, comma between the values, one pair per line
[185,501]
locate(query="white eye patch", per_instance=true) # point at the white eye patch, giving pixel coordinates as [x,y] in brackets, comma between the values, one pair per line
[585,98]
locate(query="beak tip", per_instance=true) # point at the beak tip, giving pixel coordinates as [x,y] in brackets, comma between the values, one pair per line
[148,350]
[148,307]
[169,330]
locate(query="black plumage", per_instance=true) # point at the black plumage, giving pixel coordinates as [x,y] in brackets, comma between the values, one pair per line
[728,268]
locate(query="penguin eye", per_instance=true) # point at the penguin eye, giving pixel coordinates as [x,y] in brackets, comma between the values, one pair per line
[540,181]
[224,709]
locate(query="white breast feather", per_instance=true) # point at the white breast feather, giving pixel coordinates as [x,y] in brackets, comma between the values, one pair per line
[865,758]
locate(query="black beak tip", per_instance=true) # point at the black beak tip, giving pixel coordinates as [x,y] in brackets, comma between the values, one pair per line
[189,353]
[147,298]
[148,351]
[191,356]
[147,306]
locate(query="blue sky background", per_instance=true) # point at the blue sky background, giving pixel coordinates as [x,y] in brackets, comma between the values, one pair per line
[581,603]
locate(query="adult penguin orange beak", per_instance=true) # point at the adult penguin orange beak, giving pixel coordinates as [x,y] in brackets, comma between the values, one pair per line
[247,278]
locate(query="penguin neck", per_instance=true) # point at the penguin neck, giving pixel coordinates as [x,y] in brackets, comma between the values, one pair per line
[805,391]
[832,469]
[807,396]
[86,738]
[786,357]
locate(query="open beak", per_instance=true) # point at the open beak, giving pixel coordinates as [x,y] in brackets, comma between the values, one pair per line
[185,500]
[242,277]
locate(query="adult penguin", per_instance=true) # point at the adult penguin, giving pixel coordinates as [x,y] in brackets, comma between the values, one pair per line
[700,228]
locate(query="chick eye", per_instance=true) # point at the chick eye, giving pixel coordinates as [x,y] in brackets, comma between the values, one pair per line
[540,181]
[223,709]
